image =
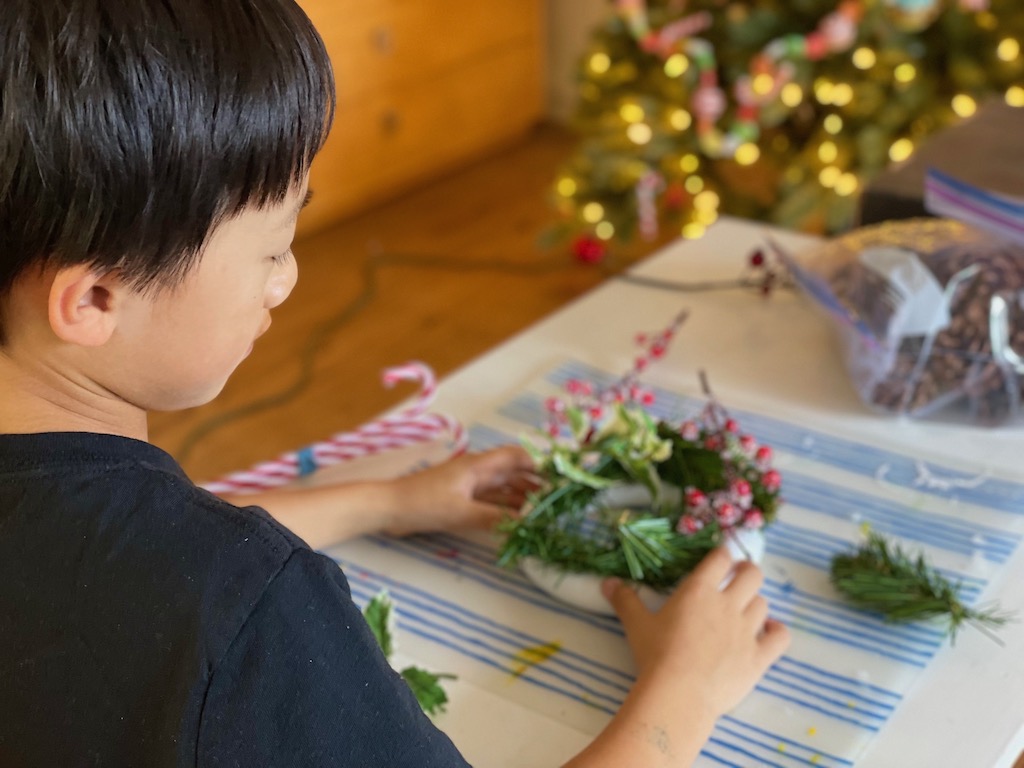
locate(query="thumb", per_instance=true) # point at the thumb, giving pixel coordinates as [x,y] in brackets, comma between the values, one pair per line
[624,599]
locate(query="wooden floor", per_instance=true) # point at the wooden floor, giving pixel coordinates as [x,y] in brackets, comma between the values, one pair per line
[440,275]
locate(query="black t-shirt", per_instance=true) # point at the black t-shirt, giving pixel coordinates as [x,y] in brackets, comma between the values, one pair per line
[144,622]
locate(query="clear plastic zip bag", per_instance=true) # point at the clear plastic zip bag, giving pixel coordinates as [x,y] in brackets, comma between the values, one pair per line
[931,315]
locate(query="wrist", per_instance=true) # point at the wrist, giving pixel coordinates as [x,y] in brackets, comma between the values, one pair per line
[679,693]
[389,506]
[661,723]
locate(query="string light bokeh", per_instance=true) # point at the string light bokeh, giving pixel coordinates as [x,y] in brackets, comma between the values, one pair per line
[780,110]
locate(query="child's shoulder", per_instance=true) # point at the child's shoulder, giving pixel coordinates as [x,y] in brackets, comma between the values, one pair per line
[145,604]
[113,520]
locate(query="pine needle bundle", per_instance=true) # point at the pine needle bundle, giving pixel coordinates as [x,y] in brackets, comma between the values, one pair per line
[882,577]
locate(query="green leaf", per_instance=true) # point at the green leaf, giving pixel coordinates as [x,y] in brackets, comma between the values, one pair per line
[426,687]
[577,421]
[565,467]
[379,614]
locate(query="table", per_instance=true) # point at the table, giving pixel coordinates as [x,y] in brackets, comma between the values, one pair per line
[535,683]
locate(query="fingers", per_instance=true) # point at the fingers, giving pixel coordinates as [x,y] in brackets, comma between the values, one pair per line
[502,476]
[774,640]
[746,581]
[625,601]
[756,613]
[714,568]
[506,496]
[507,460]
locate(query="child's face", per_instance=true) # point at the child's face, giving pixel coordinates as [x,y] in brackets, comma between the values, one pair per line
[184,343]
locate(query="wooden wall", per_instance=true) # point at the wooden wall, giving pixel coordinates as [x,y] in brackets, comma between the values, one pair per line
[424,86]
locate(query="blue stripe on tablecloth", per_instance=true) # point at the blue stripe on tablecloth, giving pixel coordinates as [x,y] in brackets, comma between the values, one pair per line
[767,754]
[779,547]
[519,638]
[787,661]
[833,545]
[505,641]
[432,609]
[782,592]
[851,633]
[911,645]
[804,704]
[813,549]
[795,621]
[850,693]
[481,437]
[498,580]
[422,618]
[737,723]
[544,674]
[852,456]
[820,699]
[745,752]
[715,759]
[953,534]
[847,626]
[856,629]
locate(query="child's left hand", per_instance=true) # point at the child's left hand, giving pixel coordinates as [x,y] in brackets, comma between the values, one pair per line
[469,491]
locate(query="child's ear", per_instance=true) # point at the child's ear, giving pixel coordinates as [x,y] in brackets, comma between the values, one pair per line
[83,305]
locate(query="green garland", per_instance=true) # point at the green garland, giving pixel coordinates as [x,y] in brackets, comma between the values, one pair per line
[880,576]
[565,523]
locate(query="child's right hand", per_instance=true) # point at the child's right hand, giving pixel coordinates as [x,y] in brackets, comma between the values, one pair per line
[696,657]
[713,643]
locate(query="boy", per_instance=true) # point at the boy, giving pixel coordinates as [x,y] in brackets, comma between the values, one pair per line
[153,160]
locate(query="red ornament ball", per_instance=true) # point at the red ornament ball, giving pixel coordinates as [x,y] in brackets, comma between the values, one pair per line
[675,195]
[589,249]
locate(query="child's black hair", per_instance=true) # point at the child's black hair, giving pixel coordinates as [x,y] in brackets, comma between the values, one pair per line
[130,128]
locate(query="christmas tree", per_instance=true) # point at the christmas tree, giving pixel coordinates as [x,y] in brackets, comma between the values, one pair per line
[779,110]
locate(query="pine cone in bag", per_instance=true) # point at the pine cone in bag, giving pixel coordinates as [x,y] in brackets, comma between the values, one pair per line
[956,364]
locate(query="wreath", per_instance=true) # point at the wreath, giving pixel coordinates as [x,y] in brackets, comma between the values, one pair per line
[689,486]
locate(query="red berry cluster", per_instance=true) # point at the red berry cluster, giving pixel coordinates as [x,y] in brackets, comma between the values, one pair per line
[749,497]
[593,401]
[766,275]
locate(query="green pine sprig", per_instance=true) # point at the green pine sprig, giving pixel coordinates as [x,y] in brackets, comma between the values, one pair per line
[640,546]
[425,686]
[880,576]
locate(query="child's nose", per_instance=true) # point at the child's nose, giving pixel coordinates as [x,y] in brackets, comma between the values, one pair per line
[281,282]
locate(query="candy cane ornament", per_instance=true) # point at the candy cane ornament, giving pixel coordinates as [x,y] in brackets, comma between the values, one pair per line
[409,426]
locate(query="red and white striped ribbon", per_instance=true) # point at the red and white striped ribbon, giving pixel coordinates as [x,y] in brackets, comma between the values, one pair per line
[407,427]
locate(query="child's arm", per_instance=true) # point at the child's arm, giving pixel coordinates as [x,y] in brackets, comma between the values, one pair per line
[469,491]
[696,658]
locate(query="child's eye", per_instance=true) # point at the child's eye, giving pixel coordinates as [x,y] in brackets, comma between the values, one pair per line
[283,257]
